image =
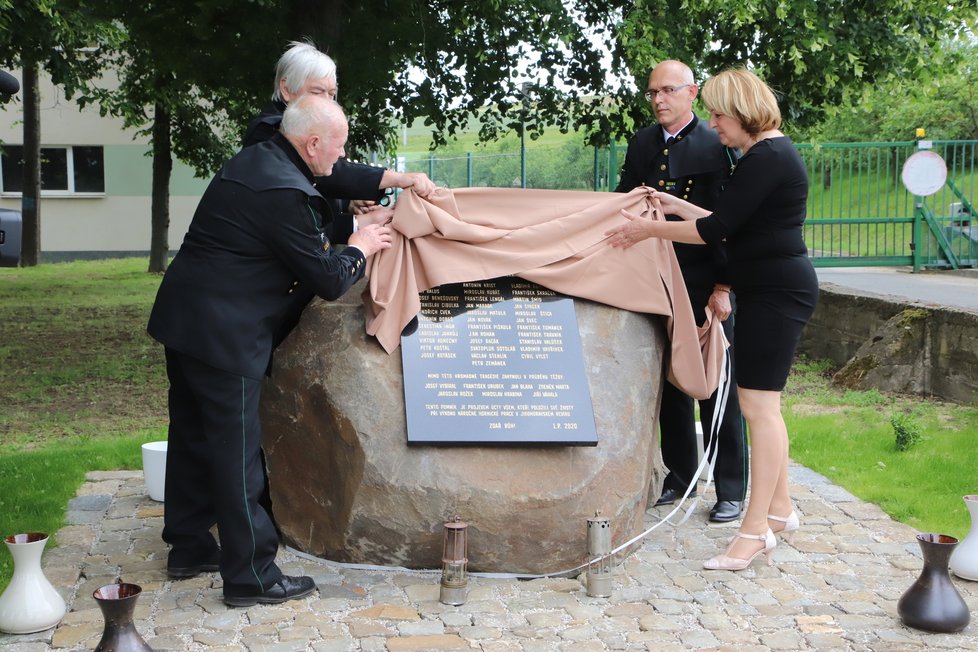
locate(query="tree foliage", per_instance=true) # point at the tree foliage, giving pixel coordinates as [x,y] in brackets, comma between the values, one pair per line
[942,99]
[53,36]
[185,73]
[42,34]
[201,61]
[810,51]
[443,62]
[192,72]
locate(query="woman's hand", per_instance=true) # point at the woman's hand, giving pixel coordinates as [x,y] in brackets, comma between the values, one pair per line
[636,229]
[672,205]
[719,303]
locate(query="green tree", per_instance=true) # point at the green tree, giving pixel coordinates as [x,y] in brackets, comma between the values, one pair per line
[445,62]
[810,51]
[943,99]
[193,72]
[187,79]
[43,34]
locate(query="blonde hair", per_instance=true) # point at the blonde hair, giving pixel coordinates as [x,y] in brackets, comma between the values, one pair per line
[741,94]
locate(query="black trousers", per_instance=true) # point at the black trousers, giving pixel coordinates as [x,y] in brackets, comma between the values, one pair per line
[214,475]
[677,425]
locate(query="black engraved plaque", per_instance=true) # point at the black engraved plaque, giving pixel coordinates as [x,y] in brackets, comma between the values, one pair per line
[496,362]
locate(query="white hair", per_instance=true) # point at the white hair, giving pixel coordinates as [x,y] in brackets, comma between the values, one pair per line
[311,114]
[300,63]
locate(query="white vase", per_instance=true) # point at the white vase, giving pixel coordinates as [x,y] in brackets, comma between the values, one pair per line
[964,561]
[29,603]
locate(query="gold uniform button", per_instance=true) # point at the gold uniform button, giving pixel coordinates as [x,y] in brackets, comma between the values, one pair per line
[666,151]
[662,167]
[685,196]
[661,182]
[690,182]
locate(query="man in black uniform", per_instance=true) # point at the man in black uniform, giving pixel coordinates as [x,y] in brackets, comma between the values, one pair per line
[682,156]
[256,252]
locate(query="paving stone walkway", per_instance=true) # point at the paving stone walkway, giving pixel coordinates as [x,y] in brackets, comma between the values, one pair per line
[836,588]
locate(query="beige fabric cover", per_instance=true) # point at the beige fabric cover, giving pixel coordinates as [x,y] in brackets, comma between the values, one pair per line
[551,237]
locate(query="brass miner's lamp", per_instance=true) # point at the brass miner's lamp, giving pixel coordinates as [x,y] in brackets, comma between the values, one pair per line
[454,572]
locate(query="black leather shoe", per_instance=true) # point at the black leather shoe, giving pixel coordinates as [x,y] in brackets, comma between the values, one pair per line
[670,495]
[177,569]
[287,588]
[726,510]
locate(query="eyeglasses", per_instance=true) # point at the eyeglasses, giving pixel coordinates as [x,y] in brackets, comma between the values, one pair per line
[651,94]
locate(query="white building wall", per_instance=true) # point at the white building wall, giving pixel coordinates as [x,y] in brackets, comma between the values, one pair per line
[119,219]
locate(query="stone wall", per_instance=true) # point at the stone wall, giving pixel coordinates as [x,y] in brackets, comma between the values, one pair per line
[892,345]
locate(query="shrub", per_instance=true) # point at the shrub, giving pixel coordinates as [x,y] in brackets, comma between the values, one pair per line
[906,429]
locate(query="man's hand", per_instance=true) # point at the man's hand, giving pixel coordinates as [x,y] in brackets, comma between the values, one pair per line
[361,206]
[423,186]
[381,215]
[371,239]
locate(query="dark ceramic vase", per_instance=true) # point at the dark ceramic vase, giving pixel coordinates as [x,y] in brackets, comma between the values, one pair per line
[118,602]
[932,603]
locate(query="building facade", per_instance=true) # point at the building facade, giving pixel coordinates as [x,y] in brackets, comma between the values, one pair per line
[96,180]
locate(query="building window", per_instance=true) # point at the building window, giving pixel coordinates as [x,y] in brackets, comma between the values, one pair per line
[77,169]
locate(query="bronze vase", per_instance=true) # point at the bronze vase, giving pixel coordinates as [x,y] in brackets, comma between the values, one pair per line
[932,603]
[118,602]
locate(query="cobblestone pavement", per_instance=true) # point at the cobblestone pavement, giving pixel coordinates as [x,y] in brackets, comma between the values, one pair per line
[835,589]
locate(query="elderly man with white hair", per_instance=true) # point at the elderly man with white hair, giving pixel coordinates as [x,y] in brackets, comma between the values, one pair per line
[256,253]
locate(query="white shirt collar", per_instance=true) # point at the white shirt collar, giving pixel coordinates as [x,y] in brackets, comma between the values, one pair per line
[666,135]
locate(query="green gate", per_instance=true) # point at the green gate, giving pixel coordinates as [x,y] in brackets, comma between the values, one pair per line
[860,214]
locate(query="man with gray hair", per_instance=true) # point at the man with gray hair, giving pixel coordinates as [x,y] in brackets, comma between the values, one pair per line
[302,69]
[255,254]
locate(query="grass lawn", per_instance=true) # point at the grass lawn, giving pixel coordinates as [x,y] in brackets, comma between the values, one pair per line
[82,385]
[848,437]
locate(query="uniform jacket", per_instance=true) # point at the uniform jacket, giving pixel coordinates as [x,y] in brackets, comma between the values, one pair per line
[256,252]
[694,166]
[347,181]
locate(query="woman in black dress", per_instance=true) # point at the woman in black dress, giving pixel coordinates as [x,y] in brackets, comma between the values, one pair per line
[759,217]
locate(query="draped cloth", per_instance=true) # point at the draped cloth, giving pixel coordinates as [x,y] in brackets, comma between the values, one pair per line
[554,238]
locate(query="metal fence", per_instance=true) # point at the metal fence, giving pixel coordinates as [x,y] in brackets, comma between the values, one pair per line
[859,213]
[565,166]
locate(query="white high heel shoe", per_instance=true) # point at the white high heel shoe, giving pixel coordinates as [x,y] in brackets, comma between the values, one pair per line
[791,525]
[725,562]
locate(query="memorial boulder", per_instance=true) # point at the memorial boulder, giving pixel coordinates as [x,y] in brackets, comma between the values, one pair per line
[346,486]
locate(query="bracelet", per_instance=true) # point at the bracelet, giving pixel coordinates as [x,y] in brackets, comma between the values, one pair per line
[727,290]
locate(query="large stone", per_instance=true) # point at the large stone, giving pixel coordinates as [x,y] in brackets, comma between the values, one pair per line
[345,486]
